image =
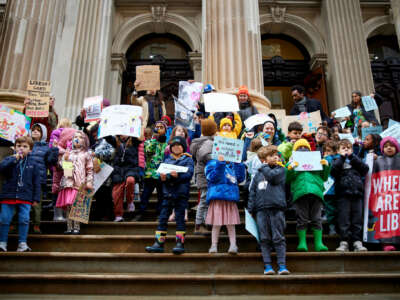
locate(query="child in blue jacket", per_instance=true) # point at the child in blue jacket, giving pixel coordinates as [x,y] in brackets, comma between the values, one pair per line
[222,195]
[21,189]
[176,189]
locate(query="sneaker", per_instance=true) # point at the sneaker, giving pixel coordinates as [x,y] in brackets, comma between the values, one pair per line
[23,247]
[358,247]
[3,246]
[68,232]
[75,232]
[283,270]
[213,249]
[268,270]
[118,219]
[388,248]
[233,249]
[131,207]
[343,247]
[36,229]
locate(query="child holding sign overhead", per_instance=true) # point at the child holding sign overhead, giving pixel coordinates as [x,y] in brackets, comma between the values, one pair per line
[226,128]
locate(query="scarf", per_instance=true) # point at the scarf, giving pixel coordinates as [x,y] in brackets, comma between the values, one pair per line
[301,104]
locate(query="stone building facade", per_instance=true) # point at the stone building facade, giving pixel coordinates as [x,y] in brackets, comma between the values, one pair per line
[87,47]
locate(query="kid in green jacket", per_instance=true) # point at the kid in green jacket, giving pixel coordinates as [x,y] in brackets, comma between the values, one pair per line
[294,133]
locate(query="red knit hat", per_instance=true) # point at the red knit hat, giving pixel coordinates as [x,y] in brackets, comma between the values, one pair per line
[243,90]
[167,120]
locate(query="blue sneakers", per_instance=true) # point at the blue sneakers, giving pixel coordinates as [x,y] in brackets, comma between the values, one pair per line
[268,270]
[283,270]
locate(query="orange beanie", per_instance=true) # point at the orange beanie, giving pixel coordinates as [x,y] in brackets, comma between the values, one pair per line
[243,90]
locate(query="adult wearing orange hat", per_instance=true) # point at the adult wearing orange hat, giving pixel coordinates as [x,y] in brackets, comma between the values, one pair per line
[246,109]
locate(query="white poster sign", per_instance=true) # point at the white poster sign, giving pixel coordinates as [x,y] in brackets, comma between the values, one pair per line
[168,168]
[93,107]
[190,93]
[121,120]
[308,160]
[255,120]
[100,177]
[219,102]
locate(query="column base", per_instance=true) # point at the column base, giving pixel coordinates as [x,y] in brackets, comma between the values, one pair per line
[13,98]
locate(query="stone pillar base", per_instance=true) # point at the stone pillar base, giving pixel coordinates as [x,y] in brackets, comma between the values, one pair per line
[13,98]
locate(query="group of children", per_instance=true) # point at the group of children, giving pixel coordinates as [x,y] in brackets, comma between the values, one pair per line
[267,179]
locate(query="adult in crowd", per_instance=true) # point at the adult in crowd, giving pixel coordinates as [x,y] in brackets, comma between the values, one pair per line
[80,120]
[358,112]
[246,109]
[304,104]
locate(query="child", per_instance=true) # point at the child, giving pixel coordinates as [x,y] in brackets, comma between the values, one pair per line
[226,128]
[21,189]
[348,171]
[267,201]
[126,172]
[178,130]
[294,133]
[253,162]
[330,153]
[176,188]
[72,180]
[44,158]
[321,137]
[307,188]
[56,134]
[370,145]
[222,194]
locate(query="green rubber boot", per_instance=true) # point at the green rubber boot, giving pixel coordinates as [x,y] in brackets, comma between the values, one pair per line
[302,247]
[318,245]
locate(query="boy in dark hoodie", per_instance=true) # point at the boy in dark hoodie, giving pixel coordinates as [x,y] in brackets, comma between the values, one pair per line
[267,200]
[176,188]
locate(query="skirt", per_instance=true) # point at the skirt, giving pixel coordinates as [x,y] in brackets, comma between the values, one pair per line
[221,212]
[66,197]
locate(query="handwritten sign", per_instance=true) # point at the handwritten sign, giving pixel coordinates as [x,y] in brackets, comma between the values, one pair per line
[13,123]
[251,225]
[231,149]
[309,121]
[93,107]
[38,94]
[80,210]
[219,102]
[100,177]
[342,112]
[392,122]
[190,93]
[308,160]
[39,86]
[183,115]
[369,103]
[393,131]
[149,77]
[121,120]
[168,168]
[255,120]
[370,130]
[347,136]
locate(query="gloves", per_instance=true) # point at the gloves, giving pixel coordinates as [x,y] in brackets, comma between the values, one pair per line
[293,165]
[324,162]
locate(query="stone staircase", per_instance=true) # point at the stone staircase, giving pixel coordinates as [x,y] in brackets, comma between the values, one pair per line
[109,259]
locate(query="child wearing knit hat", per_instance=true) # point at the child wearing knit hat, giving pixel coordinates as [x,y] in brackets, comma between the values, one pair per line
[307,188]
[226,128]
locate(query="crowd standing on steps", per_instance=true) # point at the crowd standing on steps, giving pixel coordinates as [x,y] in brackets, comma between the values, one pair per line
[268,179]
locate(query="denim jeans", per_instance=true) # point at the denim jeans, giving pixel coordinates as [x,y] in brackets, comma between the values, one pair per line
[7,212]
[168,204]
[149,185]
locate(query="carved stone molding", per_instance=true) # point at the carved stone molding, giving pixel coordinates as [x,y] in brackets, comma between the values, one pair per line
[278,13]
[318,60]
[195,60]
[159,13]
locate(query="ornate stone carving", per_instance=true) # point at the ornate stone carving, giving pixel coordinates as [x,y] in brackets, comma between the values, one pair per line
[159,13]
[278,14]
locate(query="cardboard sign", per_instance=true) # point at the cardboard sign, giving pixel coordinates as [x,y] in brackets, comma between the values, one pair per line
[369,103]
[219,102]
[309,121]
[93,107]
[100,177]
[39,86]
[255,120]
[121,120]
[149,77]
[38,94]
[68,168]
[183,115]
[370,130]
[347,136]
[342,112]
[393,131]
[280,115]
[80,210]
[13,123]
[230,149]
[308,160]
[168,168]
[251,225]
[190,93]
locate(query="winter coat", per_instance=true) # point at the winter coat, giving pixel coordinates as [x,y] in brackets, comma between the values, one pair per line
[154,150]
[307,182]
[178,187]
[83,169]
[286,149]
[267,189]
[247,112]
[43,156]
[201,149]
[348,175]
[31,189]
[126,162]
[223,179]
[311,106]
[368,115]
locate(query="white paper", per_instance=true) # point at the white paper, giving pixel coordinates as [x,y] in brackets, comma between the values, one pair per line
[99,178]
[255,120]
[190,93]
[343,124]
[251,225]
[342,112]
[348,136]
[219,102]
[308,160]
[93,107]
[328,184]
[367,191]
[168,168]
[393,131]
[392,122]
[369,103]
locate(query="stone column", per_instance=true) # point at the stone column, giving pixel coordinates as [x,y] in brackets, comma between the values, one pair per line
[195,60]
[27,45]
[118,66]
[396,17]
[348,58]
[232,47]
[83,65]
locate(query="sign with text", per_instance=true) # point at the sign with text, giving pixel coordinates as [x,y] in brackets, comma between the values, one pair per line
[100,177]
[369,103]
[80,209]
[168,168]
[39,86]
[309,121]
[308,160]
[39,99]
[347,136]
[393,131]
[230,149]
[190,93]
[183,115]
[149,77]
[13,123]
[342,112]
[93,107]
[121,120]
[219,102]
[370,130]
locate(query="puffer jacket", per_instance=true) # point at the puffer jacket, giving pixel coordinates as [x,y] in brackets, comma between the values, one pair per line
[178,187]
[348,175]
[268,189]
[83,169]
[223,179]
[201,149]
[126,162]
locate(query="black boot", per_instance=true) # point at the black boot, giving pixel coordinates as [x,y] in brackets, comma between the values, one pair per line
[158,246]
[180,240]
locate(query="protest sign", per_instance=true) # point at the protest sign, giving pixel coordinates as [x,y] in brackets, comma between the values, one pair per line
[342,112]
[309,121]
[149,77]
[39,99]
[382,195]
[13,123]
[369,103]
[255,120]
[93,107]
[251,225]
[328,184]
[343,124]
[80,210]
[100,177]
[370,130]
[230,149]
[183,115]
[190,93]
[39,86]
[279,114]
[168,168]
[393,131]
[347,136]
[121,120]
[392,122]
[308,160]
[219,102]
